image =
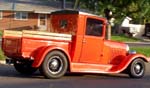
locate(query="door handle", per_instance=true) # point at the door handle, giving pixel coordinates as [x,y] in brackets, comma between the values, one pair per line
[84,41]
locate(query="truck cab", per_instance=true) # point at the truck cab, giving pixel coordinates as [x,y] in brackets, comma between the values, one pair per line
[76,42]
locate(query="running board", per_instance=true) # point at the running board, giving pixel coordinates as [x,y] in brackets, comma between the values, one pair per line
[91,68]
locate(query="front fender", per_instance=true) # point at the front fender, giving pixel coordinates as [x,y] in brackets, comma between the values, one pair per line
[42,52]
[126,62]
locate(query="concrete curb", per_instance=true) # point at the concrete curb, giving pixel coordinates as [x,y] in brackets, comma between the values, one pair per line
[2,62]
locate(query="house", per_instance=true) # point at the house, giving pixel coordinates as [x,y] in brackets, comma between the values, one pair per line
[27,14]
[130,29]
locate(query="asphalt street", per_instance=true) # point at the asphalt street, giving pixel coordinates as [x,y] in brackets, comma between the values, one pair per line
[9,78]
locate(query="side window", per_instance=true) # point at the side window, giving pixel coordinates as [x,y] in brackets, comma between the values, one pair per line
[63,24]
[94,27]
[21,15]
[1,16]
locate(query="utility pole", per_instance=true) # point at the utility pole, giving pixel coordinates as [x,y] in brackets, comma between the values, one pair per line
[108,15]
[109,31]
[76,4]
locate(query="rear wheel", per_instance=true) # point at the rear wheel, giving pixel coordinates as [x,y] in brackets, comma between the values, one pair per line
[136,68]
[54,65]
[24,67]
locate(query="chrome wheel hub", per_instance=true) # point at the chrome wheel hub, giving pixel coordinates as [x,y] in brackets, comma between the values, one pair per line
[55,64]
[138,68]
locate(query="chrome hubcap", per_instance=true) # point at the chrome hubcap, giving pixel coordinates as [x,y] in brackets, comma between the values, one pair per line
[138,68]
[55,64]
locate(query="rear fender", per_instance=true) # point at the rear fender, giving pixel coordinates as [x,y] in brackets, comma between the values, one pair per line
[40,54]
[126,62]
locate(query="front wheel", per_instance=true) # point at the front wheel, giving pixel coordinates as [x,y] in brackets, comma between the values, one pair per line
[54,65]
[136,68]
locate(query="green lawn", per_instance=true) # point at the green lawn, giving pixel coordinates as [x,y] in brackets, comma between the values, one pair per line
[2,57]
[142,50]
[1,32]
[123,38]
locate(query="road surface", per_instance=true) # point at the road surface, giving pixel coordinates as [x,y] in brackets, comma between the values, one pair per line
[139,44]
[9,78]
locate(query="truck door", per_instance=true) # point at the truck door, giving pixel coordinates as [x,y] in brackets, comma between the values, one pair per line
[93,42]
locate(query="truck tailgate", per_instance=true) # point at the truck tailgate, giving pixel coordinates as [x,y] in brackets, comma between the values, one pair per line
[11,42]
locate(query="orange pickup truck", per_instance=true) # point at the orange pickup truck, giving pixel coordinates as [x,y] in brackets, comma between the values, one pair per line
[75,43]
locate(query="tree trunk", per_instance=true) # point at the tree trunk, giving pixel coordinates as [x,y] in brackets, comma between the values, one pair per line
[109,31]
[76,4]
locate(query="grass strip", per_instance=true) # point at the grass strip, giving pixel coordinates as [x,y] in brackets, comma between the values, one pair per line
[142,50]
[123,38]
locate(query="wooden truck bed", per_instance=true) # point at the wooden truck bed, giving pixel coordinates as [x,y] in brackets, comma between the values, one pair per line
[23,43]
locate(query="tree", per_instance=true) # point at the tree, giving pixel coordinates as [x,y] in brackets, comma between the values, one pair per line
[136,9]
[120,8]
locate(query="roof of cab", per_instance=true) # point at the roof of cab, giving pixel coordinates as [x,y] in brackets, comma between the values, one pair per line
[73,12]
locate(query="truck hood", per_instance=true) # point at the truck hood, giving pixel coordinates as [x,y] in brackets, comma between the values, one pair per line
[116,51]
[116,45]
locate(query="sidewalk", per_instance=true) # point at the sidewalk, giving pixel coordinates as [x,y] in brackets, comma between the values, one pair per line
[146,43]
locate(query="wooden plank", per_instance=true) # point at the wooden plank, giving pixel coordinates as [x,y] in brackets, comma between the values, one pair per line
[45,33]
[12,33]
[47,37]
[37,34]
